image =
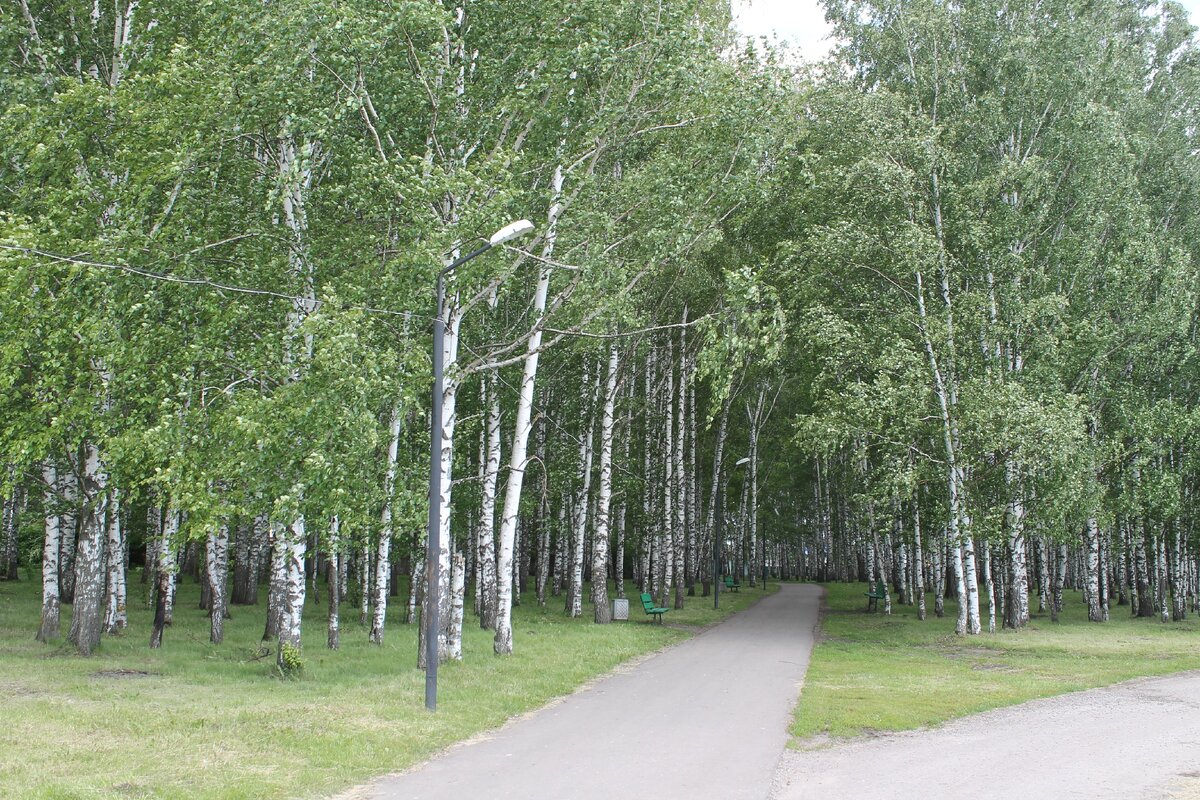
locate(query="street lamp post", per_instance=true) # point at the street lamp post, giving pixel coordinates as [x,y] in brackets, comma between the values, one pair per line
[433,535]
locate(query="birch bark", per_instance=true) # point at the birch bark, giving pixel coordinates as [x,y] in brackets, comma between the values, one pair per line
[383,554]
[88,614]
[333,639]
[503,644]
[600,544]
[1016,611]
[990,585]
[49,627]
[756,419]
[957,530]
[68,530]
[918,559]
[217,555]
[487,519]
[710,520]
[458,573]
[584,482]
[164,583]
[10,545]
[668,487]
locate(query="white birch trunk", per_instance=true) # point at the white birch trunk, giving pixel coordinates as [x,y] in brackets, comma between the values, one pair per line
[336,568]
[971,580]
[958,528]
[168,560]
[710,520]
[217,555]
[1043,577]
[458,574]
[679,488]
[383,554]
[364,583]
[293,550]
[756,420]
[990,584]
[696,539]
[503,644]
[668,493]
[9,547]
[453,315]
[1093,570]
[87,616]
[960,585]
[68,532]
[604,501]
[1164,612]
[414,588]
[584,481]
[486,590]
[1017,604]
[544,525]
[115,616]
[49,627]
[561,543]
[165,569]
[918,560]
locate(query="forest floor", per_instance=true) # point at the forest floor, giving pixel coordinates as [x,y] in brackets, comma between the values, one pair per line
[706,718]
[198,721]
[872,673]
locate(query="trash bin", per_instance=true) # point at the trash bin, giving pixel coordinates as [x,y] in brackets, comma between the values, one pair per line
[620,609]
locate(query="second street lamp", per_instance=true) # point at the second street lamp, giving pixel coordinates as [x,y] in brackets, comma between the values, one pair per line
[433,545]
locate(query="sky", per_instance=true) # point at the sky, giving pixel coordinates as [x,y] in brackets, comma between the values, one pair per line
[802,22]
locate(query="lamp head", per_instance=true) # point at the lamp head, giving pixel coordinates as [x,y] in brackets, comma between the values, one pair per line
[511,231]
[742,462]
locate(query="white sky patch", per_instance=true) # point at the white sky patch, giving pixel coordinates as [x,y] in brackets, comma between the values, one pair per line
[802,22]
[799,22]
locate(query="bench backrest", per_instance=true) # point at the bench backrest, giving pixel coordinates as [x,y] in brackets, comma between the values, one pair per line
[647,601]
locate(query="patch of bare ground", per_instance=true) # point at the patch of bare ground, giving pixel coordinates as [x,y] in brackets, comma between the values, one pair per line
[122,673]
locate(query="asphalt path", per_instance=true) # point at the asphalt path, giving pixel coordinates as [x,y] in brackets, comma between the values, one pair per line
[1139,739]
[706,718]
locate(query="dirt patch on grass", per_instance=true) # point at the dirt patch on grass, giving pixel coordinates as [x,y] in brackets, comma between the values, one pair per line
[18,690]
[122,673]
[955,652]
[824,637]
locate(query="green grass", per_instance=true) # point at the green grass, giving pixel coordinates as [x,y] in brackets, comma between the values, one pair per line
[213,722]
[875,673]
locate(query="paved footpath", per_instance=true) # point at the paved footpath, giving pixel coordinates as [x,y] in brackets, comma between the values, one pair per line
[706,718]
[1139,739]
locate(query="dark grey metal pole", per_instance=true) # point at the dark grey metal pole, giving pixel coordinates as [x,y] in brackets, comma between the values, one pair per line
[433,545]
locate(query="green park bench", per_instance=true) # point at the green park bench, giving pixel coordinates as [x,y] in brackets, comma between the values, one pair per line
[731,584]
[651,609]
[875,593]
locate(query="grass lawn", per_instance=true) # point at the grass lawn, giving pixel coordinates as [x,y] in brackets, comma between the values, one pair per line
[194,720]
[875,673]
